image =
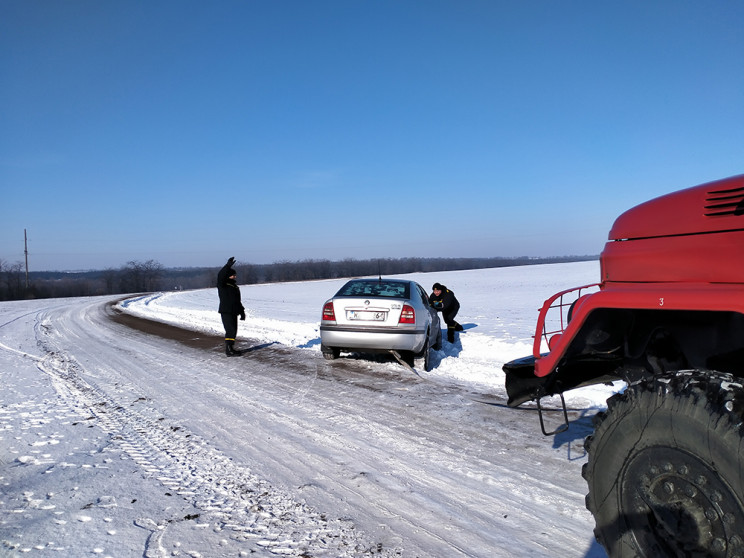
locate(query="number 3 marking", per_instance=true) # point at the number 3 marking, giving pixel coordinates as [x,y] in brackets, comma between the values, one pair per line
[661,301]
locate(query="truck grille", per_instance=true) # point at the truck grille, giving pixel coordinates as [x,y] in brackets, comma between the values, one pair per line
[724,202]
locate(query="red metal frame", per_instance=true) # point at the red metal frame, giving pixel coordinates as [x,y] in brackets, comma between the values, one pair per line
[556,304]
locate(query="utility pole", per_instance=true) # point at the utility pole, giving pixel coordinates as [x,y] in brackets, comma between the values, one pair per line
[25,252]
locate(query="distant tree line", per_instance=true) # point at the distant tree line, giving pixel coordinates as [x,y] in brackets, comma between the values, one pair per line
[150,276]
[131,278]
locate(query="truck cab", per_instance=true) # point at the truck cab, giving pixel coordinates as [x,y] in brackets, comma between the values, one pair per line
[670,296]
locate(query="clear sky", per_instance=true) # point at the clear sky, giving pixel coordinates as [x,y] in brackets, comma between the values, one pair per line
[190,131]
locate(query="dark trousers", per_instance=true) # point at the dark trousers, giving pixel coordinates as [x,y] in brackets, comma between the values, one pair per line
[230,322]
[449,318]
[452,325]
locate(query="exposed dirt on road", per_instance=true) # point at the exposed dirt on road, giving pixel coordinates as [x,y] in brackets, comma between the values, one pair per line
[190,338]
[344,369]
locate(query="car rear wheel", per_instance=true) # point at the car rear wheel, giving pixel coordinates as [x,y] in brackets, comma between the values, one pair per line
[437,346]
[421,360]
[330,353]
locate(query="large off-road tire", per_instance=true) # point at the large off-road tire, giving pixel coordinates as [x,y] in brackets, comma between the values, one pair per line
[665,468]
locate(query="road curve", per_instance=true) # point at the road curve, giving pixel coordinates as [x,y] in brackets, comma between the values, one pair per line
[363,454]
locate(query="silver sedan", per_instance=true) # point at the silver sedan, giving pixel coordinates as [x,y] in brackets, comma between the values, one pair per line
[371,315]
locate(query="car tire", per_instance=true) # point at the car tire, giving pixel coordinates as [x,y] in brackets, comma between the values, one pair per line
[437,346]
[422,359]
[330,353]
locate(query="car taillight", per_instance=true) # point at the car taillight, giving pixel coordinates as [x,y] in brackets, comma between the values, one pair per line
[328,313]
[407,315]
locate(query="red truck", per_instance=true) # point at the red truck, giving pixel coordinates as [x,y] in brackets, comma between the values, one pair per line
[665,469]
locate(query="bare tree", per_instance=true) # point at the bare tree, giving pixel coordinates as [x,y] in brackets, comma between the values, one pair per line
[141,276]
[12,277]
[110,279]
[152,274]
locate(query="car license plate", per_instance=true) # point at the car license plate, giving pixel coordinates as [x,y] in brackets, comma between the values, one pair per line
[365,315]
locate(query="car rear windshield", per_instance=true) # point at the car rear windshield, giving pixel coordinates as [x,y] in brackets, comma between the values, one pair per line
[376,288]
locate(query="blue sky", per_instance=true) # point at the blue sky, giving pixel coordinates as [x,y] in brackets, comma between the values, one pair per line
[187,132]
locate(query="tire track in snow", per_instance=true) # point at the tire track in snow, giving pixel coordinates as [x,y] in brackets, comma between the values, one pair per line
[228,494]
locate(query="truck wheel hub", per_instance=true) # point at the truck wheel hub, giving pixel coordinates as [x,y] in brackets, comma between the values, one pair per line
[674,502]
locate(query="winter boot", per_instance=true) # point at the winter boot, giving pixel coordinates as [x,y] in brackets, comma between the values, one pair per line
[458,327]
[451,334]
[229,349]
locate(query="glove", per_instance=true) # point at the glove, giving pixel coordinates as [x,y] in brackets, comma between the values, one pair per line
[242,315]
[231,262]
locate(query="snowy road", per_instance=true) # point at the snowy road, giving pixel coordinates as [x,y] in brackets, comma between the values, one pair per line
[119,442]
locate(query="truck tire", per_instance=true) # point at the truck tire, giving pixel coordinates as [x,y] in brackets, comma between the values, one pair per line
[665,469]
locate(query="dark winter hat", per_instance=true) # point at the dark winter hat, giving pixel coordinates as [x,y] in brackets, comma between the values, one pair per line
[231,272]
[437,287]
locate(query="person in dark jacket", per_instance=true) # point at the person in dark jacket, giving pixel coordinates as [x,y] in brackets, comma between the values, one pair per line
[230,305]
[445,302]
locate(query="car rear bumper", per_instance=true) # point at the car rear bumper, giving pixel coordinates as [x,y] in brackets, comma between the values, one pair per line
[349,337]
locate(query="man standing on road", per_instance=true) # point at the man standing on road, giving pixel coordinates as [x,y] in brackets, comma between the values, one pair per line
[230,305]
[445,302]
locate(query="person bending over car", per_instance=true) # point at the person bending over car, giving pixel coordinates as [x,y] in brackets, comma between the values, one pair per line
[445,302]
[230,305]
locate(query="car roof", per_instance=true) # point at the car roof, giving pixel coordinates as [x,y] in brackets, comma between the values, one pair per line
[380,279]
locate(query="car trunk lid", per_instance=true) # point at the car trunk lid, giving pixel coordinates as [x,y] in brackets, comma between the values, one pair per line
[368,311]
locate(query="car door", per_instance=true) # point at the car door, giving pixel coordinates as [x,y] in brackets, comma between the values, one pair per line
[433,320]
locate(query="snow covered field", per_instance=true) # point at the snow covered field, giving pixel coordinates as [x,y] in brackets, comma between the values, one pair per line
[115,442]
